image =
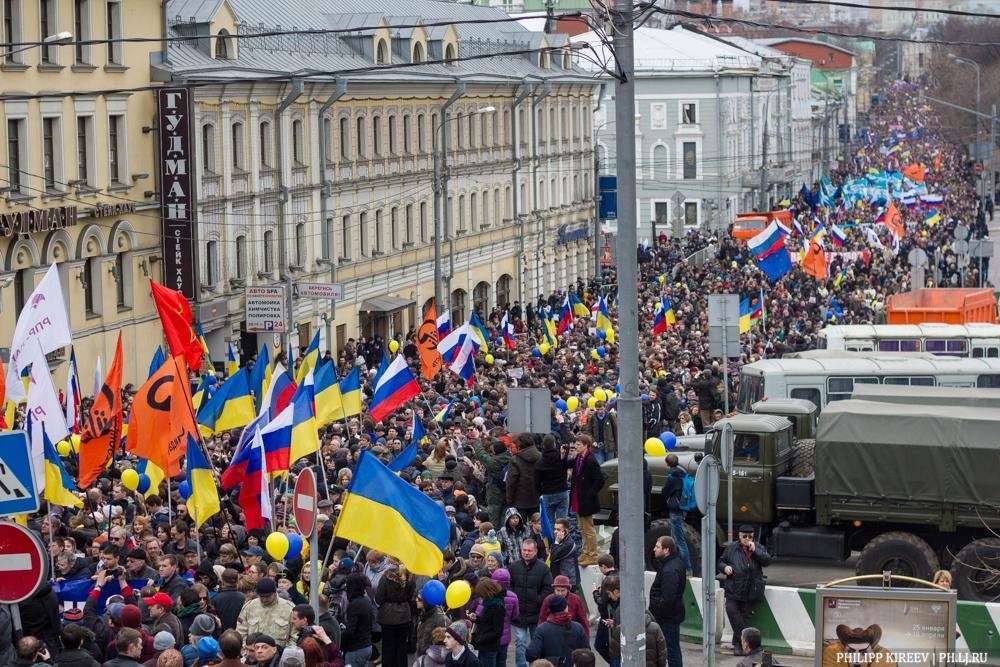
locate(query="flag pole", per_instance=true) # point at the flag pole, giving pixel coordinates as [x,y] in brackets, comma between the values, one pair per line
[170,511]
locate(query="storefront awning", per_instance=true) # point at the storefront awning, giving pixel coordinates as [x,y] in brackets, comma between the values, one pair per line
[384,304]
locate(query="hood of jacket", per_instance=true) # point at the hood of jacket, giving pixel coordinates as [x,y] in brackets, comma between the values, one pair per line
[529,454]
[551,458]
[502,576]
[511,511]
[437,653]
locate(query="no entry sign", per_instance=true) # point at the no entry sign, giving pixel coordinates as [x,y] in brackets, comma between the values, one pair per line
[305,502]
[24,564]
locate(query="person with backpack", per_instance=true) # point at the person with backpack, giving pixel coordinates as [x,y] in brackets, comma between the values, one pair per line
[678,498]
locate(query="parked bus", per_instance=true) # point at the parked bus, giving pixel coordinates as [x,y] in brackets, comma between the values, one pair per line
[822,379]
[980,340]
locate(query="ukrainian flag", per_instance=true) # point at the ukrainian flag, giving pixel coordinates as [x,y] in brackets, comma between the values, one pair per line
[604,320]
[232,363]
[350,393]
[203,394]
[204,499]
[443,412]
[153,472]
[329,404]
[384,513]
[744,314]
[933,217]
[579,309]
[309,361]
[480,332]
[203,343]
[260,376]
[668,311]
[230,407]
[59,486]
[305,436]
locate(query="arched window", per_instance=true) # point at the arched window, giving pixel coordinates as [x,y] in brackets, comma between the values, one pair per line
[407,136]
[392,135]
[481,299]
[300,244]
[450,52]
[409,224]
[457,306]
[345,139]
[363,233]
[328,136]
[508,203]
[473,212]
[298,149]
[381,52]
[376,136]
[211,263]
[503,291]
[241,256]
[359,138]
[269,250]
[418,52]
[123,279]
[658,162]
[421,144]
[239,163]
[208,148]
[265,143]
[460,223]
[222,45]
[394,228]
[497,213]
[378,231]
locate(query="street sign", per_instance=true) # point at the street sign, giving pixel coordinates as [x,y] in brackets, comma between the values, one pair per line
[24,563]
[960,247]
[18,494]
[917,257]
[529,410]
[723,309]
[706,483]
[304,501]
[327,291]
[265,310]
[608,187]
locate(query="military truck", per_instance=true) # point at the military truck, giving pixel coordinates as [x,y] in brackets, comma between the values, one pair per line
[911,487]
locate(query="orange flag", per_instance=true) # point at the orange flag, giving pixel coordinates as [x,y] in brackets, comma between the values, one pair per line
[162,417]
[814,261]
[427,341]
[102,425]
[915,172]
[893,220]
[176,317]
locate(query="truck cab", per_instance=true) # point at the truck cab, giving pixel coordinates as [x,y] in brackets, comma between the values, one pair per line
[799,411]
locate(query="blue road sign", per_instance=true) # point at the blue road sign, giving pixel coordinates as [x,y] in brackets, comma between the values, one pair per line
[18,494]
[609,197]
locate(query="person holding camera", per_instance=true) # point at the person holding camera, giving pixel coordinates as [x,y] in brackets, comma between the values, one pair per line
[741,569]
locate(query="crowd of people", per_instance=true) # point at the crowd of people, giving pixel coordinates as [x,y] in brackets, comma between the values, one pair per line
[166,595]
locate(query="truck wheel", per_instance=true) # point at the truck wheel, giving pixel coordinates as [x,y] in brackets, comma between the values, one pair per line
[901,553]
[974,571]
[661,527]
[803,457]
[693,539]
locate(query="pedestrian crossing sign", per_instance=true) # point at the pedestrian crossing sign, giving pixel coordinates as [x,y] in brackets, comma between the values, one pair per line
[18,494]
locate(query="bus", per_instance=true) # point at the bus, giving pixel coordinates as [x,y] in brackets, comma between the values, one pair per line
[821,378]
[978,340]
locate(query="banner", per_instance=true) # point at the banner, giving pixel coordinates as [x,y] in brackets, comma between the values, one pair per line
[102,425]
[175,115]
[42,327]
[162,418]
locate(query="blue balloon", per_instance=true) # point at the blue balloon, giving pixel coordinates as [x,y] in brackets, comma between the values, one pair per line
[184,488]
[602,334]
[535,352]
[669,439]
[618,388]
[601,351]
[432,593]
[561,405]
[144,483]
[644,398]
[294,546]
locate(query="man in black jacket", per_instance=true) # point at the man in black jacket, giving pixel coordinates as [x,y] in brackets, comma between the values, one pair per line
[666,596]
[585,485]
[358,620]
[742,564]
[673,489]
[229,601]
[531,581]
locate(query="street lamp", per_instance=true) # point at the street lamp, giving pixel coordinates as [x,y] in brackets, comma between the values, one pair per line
[966,61]
[441,198]
[59,38]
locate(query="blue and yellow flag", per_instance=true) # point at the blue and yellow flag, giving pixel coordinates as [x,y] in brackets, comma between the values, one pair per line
[305,436]
[203,343]
[202,394]
[309,361]
[579,308]
[551,337]
[232,363]
[443,413]
[157,361]
[350,393]
[231,406]
[329,404]
[604,320]
[384,513]
[153,472]
[260,376]
[204,499]
[59,486]
[480,332]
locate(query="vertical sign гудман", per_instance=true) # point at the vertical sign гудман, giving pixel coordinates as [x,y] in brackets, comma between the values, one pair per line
[177,197]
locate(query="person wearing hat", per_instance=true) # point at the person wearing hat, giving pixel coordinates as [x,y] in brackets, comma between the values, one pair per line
[264,650]
[456,642]
[562,587]
[202,626]
[557,638]
[741,566]
[160,607]
[208,651]
[137,567]
[266,614]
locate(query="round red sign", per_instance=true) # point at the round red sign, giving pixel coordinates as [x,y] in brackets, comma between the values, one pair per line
[305,502]
[24,563]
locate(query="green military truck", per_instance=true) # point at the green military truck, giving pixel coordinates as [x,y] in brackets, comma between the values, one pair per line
[911,487]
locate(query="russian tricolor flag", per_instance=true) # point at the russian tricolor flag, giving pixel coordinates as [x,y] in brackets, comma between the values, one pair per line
[770,253]
[507,331]
[458,350]
[395,387]
[565,317]
[838,236]
[444,324]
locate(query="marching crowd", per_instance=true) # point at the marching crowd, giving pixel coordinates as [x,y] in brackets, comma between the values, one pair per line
[165,595]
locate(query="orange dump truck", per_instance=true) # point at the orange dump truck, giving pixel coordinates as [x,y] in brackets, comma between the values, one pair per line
[943,305]
[748,225]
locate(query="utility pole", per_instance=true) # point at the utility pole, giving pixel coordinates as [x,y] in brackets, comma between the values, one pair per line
[597,214]
[284,265]
[763,163]
[440,190]
[515,149]
[630,499]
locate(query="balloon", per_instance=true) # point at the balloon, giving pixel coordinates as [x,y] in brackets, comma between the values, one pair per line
[489,359]
[654,447]
[662,278]
[562,405]
[661,373]
[535,352]
[144,483]
[618,387]
[600,394]
[602,351]
[130,479]
[544,348]
[64,448]
[74,440]
[611,396]
[644,398]
[184,488]
[276,545]
[602,334]
[572,403]
[593,354]
[669,439]
[458,594]
[432,593]
[294,545]
[394,346]
[591,402]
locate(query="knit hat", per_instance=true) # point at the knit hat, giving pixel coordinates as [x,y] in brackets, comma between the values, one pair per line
[131,617]
[203,625]
[163,640]
[459,631]
[557,603]
[115,611]
[208,649]
[292,656]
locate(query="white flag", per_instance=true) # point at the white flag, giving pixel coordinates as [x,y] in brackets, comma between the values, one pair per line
[265,489]
[46,418]
[98,377]
[42,326]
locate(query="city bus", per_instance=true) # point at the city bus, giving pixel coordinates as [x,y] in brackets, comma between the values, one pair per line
[978,340]
[820,378]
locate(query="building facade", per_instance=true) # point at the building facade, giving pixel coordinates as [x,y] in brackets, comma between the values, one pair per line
[328,176]
[77,184]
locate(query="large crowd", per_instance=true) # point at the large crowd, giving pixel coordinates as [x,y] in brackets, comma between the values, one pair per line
[166,595]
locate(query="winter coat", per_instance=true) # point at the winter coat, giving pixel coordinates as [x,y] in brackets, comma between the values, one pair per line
[7,652]
[358,619]
[171,624]
[430,618]
[228,603]
[666,595]
[466,659]
[394,599]
[522,488]
[746,584]
[673,488]
[510,603]
[174,586]
[76,658]
[488,628]
[608,433]
[574,607]
[587,484]
[434,656]
[550,472]
[510,540]
[564,559]
[530,582]
[273,620]
[40,617]
[556,639]
[656,643]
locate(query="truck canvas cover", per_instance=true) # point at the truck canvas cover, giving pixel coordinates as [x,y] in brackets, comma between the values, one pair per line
[919,395]
[924,453]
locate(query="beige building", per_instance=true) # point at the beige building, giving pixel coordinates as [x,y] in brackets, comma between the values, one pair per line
[77,185]
[329,177]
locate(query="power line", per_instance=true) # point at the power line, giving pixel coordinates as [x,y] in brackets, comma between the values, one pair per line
[853,5]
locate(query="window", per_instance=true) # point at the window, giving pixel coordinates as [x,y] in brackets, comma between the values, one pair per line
[458,306]
[459,134]
[300,244]
[378,232]
[461,214]
[409,224]
[265,144]
[808,393]
[690,214]
[208,148]
[449,54]
[486,211]
[942,347]
[394,229]
[661,211]
[359,136]
[49,130]
[903,381]
[392,135]
[987,352]
[421,144]
[114,32]
[473,214]
[497,213]
[503,291]
[239,164]
[328,137]
[508,132]
[222,45]
[211,263]
[91,288]
[407,148]
[418,52]
[123,278]
[47,24]
[298,150]
[564,123]
[116,149]
[747,447]
[472,130]
[81,31]
[689,113]
[896,345]
[988,381]
[423,222]
[690,160]
[363,233]
[241,256]
[381,52]
[345,237]
[84,136]
[376,136]
[553,129]
[841,388]
[15,127]
[12,29]
[269,250]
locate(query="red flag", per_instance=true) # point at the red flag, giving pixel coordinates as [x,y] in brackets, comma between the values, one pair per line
[102,425]
[175,315]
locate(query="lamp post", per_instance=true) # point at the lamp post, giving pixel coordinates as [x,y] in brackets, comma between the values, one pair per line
[441,203]
[979,142]
[59,38]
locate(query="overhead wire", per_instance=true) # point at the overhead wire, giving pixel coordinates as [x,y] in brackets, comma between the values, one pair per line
[898,8]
